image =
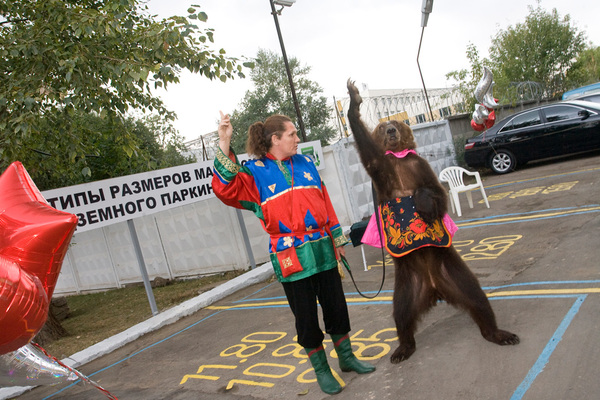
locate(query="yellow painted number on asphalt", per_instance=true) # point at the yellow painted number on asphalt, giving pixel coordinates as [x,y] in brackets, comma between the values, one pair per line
[559,187]
[266,374]
[487,249]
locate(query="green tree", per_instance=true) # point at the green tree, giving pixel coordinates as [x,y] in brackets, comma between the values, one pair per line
[272,95]
[542,49]
[586,70]
[59,58]
[467,79]
[156,146]
[151,153]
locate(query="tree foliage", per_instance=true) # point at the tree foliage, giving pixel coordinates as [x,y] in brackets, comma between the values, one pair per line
[60,59]
[542,52]
[586,70]
[542,49]
[272,94]
[117,147]
[469,78]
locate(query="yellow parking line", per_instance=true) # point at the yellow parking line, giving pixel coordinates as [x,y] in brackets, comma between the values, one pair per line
[544,292]
[535,292]
[528,217]
[265,304]
[541,177]
[364,300]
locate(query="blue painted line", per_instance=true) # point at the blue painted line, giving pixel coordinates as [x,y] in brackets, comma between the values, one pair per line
[247,298]
[543,359]
[391,291]
[135,354]
[284,298]
[485,288]
[542,283]
[388,302]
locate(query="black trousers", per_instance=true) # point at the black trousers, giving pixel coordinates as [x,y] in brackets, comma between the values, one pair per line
[302,296]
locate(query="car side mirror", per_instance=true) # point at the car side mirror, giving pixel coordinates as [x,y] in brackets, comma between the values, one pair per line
[584,114]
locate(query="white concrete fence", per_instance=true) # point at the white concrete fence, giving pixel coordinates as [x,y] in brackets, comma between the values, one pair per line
[202,236]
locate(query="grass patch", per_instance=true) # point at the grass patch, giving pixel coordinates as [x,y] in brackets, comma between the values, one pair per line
[94,317]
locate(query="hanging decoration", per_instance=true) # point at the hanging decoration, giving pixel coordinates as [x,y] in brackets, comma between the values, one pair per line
[484,115]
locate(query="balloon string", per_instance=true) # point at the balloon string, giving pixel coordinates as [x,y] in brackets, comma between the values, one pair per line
[79,374]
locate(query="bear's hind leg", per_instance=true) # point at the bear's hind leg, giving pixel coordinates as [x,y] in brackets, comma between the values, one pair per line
[461,288]
[412,297]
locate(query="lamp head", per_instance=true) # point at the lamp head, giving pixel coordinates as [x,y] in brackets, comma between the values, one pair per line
[285,3]
[426,10]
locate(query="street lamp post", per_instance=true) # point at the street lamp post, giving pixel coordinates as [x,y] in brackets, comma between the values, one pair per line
[426,10]
[287,3]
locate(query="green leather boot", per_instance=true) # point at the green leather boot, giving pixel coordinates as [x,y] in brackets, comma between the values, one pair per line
[325,378]
[348,361]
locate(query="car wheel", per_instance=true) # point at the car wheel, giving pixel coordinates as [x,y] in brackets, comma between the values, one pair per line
[502,161]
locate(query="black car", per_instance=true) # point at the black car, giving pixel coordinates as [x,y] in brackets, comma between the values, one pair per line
[551,130]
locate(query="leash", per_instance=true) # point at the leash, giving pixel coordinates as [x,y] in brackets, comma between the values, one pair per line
[345,262]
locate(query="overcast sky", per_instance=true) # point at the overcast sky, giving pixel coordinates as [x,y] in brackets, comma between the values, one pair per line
[375,42]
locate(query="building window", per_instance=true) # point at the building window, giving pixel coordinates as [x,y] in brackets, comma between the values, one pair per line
[420,118]
[444,112]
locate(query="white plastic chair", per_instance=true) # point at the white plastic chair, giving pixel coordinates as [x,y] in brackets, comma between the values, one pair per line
[454,176]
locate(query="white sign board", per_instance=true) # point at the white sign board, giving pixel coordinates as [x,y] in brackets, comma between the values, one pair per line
[109,201]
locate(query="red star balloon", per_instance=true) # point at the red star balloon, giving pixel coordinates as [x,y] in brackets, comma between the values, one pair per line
[34,239]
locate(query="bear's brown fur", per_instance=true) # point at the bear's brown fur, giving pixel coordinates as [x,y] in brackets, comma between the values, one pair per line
[427,274]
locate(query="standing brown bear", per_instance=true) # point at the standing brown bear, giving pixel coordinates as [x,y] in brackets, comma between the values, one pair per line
[413,204]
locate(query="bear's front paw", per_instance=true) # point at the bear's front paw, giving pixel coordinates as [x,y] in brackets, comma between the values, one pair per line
[428,217]
[427,205]
[353,92]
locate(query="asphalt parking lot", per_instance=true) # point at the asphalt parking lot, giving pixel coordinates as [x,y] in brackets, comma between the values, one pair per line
[536,252]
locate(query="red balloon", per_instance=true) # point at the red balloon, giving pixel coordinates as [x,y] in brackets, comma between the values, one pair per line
[34,239]
[476,126]
[23,306]
[491,119]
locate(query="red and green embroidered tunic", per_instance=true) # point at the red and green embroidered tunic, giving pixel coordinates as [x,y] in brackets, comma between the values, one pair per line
[293,206]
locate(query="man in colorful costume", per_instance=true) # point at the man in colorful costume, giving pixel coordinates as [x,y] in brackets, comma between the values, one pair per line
[284,190]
